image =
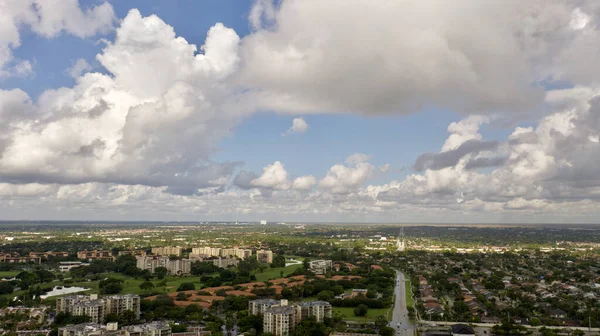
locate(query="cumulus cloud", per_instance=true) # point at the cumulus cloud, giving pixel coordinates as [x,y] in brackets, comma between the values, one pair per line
[304,182]
[47,18]
[298,126]
[153,120]
[274,176]
[450,158]
[342,179]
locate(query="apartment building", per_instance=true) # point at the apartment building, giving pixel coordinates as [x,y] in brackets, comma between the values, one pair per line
[16,259]
[65,266]
[155,328]
[95,308]
[132,252]
[167,251]
[49,254]
[264,256]
[225,262]
[96,255]
[258,307]
[207,251]
[320,266]
[89,329]
[319,309]
[150,262]
[279,320]
[235,252]
[118,304]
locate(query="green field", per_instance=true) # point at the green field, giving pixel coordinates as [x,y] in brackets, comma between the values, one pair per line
[348,313]
[8,274]
[275,273]
[409,299]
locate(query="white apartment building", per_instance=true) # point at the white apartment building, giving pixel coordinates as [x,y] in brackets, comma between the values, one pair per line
[258,307]
[207,251]
[320,266]
[279,320]
[95,308]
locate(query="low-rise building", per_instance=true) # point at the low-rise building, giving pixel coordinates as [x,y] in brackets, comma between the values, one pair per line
[96,255]
[16,259]
[320,266]
[155,328]
[65,266]
[89,329]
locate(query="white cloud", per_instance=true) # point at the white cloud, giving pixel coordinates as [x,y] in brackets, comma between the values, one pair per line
[80,67]
[274,176]
[342,179]
[47,18]
[153,121]
[298,126]
[304,182]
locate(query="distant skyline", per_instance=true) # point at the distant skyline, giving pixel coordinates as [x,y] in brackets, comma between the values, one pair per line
[300,111]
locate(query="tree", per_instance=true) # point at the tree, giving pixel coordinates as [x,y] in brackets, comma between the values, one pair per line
[386,331]
[6,287]
[381,321]
[160,272]
[278,261]
[186,286]
[181,297]
[110,286]
[146,286]
[325,295]
[361,310]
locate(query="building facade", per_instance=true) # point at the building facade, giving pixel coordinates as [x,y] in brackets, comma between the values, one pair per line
[320,266]
[176,267]
[167,251]
[118,304]
[95,308]
[319,309]
[264,256]
[279,320]
[258,307]
[96,255]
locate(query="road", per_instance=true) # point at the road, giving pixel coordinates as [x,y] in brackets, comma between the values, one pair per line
[400,321]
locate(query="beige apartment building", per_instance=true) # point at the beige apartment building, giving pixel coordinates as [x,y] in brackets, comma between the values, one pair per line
[167,251]
[319,309]
[264,256]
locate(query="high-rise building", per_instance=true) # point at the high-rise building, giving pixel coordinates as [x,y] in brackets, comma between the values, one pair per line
[279,320]
[167,251]
[225,262]
[319,309]
[258,307]
[118,304]
[264,256]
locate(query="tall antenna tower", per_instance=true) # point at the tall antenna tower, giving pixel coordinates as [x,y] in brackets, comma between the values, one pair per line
[400,240]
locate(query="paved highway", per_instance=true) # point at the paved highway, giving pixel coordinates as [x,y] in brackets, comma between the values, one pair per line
[400,321]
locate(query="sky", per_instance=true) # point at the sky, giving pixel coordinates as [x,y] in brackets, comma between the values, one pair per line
[300,110]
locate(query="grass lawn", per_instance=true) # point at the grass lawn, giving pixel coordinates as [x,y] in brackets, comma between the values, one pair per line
[348,313]
[275,273]
[8,274]
[409,299]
